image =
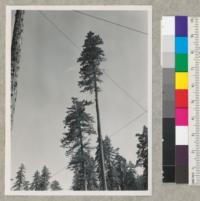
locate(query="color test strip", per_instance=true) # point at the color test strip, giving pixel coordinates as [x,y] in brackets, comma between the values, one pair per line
[181,99]
[194,100]
[180,63]
[168,115]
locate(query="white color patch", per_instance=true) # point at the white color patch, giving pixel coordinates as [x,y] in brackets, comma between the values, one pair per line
[168,25]
[181,135]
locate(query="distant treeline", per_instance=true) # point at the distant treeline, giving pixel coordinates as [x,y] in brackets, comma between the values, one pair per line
[40,181]
[120,174]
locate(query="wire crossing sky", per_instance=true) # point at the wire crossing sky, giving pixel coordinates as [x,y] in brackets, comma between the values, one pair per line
[49,77]
[123,90]
[73,43]
[105,20]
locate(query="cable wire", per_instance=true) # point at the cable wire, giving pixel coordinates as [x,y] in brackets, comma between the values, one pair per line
[108,21]
[127,124]
[58,171]
[125,92]
[60,30]
[75,45]
[113,81]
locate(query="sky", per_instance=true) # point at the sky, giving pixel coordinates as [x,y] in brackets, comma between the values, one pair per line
[48,79]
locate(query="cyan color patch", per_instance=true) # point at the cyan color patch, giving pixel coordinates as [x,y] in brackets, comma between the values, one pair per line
[181,45]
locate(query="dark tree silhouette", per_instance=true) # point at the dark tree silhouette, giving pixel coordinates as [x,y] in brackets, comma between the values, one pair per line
[109,159]
[91,179]
[55,186]
[121,169]
[75,140]
[35,185]
[91,174]
[119,175]
[130,177]
[140,180]
[142,154]
[15,56]
[40,182]
[26,185]
[90,77]
[20,179]
[44,179]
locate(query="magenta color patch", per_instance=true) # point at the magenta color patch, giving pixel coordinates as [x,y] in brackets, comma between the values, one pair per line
[181,116]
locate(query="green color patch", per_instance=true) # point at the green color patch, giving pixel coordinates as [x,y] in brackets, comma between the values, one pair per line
[181,63]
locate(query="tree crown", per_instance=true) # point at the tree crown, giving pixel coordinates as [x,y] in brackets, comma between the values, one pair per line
[90,59]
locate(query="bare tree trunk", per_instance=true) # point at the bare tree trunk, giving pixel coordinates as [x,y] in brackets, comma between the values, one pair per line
[83,163]
[82,151]
[15,56]
[100,137]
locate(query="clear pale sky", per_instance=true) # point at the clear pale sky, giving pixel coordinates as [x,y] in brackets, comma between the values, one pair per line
[48,79]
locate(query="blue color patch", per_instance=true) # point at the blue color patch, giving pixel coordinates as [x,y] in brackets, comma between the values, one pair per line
[181,45]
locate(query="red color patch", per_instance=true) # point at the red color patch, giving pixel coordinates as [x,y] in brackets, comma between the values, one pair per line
[182,98]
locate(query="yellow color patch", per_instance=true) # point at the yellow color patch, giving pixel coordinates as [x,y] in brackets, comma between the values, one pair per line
[181,80]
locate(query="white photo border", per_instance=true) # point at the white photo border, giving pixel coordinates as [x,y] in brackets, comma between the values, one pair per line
[8,191]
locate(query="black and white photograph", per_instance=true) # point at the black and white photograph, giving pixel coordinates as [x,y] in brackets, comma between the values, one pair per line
[78,100]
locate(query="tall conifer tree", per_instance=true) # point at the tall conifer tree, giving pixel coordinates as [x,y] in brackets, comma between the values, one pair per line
[44,179]
[75,140]
[90,76]
[20,179]
[35,185]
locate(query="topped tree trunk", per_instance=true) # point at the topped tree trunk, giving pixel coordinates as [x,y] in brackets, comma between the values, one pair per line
[15,56]
[90,76]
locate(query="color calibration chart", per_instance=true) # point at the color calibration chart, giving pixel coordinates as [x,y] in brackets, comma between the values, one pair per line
[180,61]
